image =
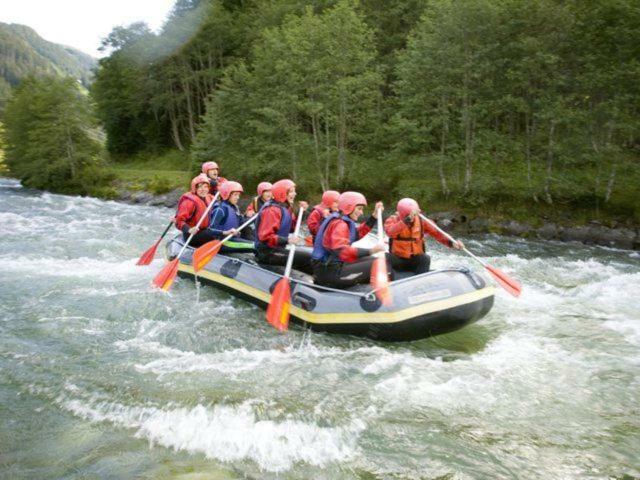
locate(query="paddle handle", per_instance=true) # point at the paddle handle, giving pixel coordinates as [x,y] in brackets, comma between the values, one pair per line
[292,252]
[204,215]
[435,225]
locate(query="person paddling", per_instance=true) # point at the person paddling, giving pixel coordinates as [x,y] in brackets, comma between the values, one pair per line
[406,231]
[264,195]
[191,206]
[226,218]
[211,170]
[276,220]
[328,205]
[336,263]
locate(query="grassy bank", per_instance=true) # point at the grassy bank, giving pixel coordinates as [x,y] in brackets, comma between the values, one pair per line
[154,173]
[160,173]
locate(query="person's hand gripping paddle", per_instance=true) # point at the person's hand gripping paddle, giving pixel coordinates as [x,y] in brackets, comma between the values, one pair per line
[164,279]
[278,309]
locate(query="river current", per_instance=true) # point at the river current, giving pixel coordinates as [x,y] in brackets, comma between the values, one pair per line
[103,377]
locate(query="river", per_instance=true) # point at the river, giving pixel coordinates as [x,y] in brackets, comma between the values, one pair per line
[103,377]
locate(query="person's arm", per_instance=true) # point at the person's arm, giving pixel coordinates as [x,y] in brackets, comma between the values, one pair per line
[314,221]
[339,244]
[430,230]
[365,227]
[394,225]
[269,225]
[217,219]
[186,209]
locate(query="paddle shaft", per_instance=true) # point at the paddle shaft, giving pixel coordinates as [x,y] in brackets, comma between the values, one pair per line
[292,252]
[165,232]
[380,231]
[241,227]
[433,224]
[206,212]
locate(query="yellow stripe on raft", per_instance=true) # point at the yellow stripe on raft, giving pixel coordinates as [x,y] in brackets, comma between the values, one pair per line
[357,317]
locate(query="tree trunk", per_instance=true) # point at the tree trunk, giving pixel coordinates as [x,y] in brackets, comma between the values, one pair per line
[175,131]
[342,140]
[529,130]
[468,150]
[316,151]
[327,147]
[612,175]
[547,181]
[187,93]
[443,146]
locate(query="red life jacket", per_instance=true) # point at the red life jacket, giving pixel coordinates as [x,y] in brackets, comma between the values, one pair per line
[190,208]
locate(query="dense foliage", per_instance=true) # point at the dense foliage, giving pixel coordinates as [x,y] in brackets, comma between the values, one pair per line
[47,137]
[476,102]
[23,52]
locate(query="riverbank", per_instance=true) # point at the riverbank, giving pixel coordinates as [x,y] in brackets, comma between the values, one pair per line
[592,233]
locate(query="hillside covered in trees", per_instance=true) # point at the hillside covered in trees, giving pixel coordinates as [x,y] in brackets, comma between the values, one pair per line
[23,52]
[508,108]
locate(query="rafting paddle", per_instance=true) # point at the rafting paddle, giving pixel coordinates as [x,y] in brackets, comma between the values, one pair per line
[205,253]
[147,257]
[379,274]
[164,279]
[278,309]
[505,281]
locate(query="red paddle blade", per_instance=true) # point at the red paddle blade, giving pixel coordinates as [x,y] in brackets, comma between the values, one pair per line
[147,257]
[509,284]
[205,254]
[380,281]
[278,309]
[164,279]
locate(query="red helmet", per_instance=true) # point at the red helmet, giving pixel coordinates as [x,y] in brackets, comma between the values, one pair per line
[228,187]
[263,187]
[198,180]
[281,188]
[349,200]
[329,197]
[206,166]
[406,206]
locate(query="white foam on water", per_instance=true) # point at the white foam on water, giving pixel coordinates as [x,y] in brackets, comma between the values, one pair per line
[238,360]
[147,346]
[629,329]
[513,366]
[83,267]
[229,433]
[610,290]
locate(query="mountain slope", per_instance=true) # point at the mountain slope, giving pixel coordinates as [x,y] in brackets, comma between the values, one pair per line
[24,52]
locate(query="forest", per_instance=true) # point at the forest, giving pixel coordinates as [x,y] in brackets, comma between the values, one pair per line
[517,108]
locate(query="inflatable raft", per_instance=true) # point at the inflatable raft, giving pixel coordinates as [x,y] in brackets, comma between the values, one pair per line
[424,305]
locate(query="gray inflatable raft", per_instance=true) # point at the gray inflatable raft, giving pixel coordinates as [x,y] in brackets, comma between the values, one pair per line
[423,305]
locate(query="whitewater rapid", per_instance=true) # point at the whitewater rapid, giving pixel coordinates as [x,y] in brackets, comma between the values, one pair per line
[103,376]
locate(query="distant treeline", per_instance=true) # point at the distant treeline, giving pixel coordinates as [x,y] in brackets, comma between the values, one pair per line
[485,104]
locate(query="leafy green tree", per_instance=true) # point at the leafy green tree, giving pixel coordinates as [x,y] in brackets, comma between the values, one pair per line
[48,137]
[308,100]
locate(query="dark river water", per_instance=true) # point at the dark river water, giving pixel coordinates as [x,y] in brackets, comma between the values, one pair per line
[103,377]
